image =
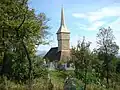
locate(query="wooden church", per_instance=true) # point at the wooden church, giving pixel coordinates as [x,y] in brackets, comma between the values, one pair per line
[62,52]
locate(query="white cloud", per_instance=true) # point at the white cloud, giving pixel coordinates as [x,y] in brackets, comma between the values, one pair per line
[95,18]
[99,14]
[79,15]
[95,25]
[115,25]
[81,26]
[92,26]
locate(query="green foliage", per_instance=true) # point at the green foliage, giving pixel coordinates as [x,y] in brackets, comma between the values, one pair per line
[82,57]
[95,66]
[106,52]
[20,72]
[118,66]
[39,69]
[21,31]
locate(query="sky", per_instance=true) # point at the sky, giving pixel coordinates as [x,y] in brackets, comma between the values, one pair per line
[82,18]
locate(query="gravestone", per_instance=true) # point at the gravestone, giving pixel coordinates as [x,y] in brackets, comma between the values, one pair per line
[69,84]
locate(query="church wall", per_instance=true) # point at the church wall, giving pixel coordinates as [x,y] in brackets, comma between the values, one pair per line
[63,45]
[63,41]
[63,36]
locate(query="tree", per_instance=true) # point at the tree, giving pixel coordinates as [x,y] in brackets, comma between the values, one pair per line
[81,58]
[21,31]
[96,64]
[107,50]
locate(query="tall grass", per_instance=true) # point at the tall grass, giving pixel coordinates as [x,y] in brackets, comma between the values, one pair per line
[57,81]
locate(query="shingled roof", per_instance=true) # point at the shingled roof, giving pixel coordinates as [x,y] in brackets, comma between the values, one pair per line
[53,55]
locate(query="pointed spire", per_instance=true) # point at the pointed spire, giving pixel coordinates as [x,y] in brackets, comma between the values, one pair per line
[62,17]
[63,27]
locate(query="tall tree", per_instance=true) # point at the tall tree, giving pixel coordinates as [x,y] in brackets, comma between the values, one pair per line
[81,58]
[21,30]
[107,49]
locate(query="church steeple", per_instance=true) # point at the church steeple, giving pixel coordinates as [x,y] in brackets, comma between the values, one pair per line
[63,27]
[63,35]
[62,52]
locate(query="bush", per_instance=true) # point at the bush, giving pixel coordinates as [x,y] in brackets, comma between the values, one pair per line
[19,69]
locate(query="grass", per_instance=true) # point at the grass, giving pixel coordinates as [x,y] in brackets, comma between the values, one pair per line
[57,78]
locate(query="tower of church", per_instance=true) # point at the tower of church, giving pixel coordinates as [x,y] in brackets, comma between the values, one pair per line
[63,35]
[62,52]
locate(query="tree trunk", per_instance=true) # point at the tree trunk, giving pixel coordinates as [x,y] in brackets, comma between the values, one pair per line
[25,48]
[85,79]
[85,62]
[107,76]
[30,65]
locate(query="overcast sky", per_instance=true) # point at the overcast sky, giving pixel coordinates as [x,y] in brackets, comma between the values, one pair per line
[82,17]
